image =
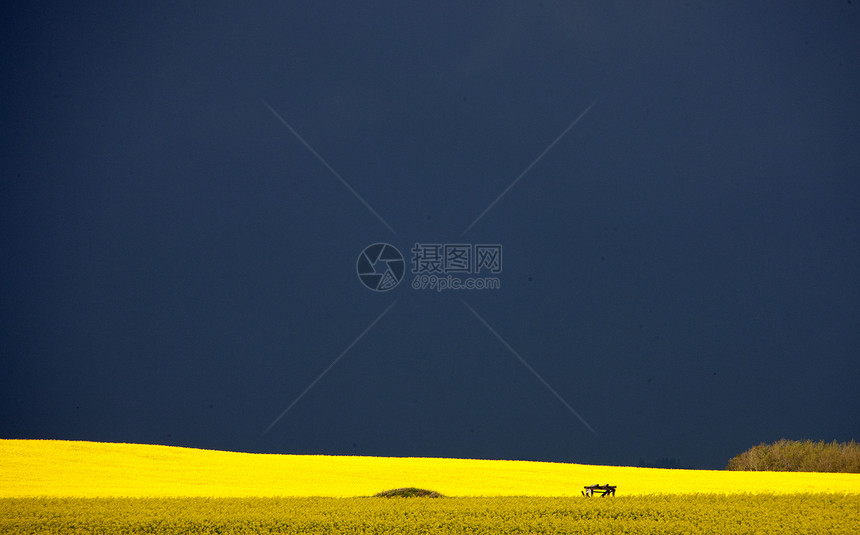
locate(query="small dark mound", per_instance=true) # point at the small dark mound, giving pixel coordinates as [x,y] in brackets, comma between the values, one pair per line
[408,492]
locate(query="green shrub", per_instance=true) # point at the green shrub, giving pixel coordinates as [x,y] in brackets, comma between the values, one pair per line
[800,456]
[408,492]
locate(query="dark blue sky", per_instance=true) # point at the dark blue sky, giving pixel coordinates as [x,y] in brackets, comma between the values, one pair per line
[682,268]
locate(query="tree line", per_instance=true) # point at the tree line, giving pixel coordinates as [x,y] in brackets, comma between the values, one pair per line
[800,456]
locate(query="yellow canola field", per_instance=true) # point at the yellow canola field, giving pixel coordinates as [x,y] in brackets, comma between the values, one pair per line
[89,469]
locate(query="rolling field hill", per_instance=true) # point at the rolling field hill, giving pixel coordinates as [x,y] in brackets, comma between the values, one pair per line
[91,469]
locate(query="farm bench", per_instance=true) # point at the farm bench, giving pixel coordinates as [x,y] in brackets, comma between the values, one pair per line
[608,490]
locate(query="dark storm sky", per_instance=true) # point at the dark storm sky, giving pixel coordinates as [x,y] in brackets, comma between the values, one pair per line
[682,267]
